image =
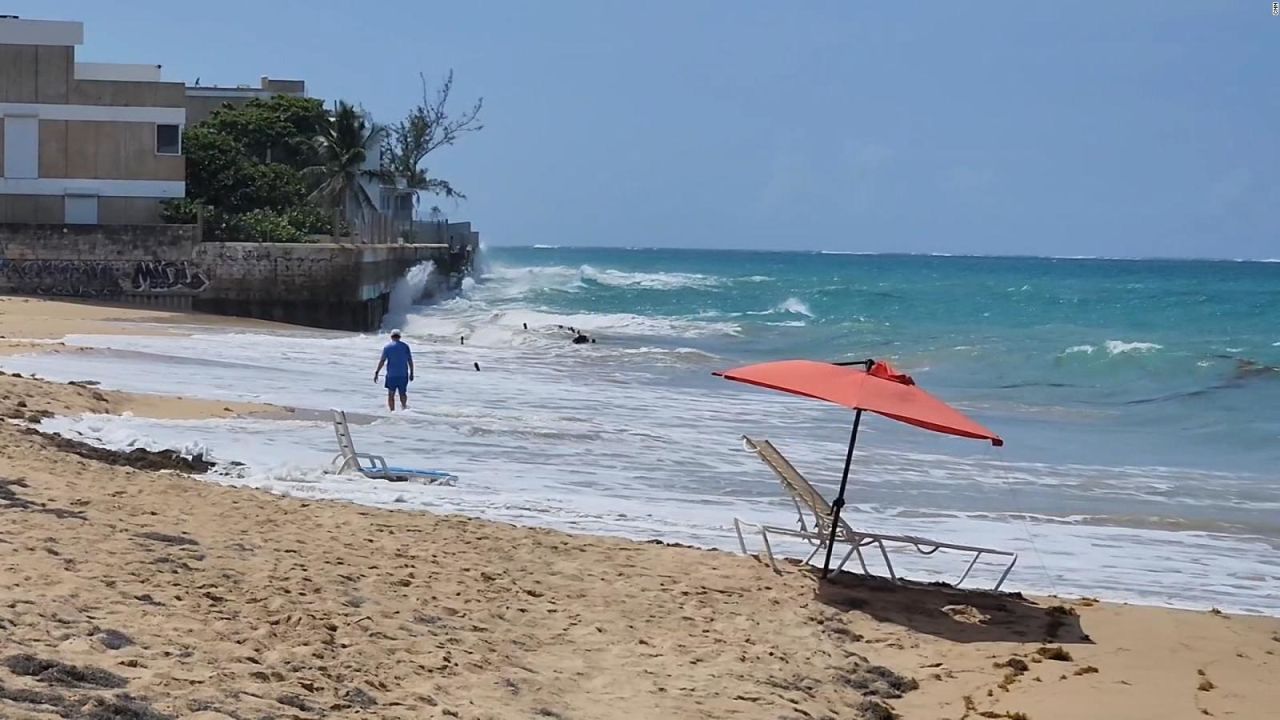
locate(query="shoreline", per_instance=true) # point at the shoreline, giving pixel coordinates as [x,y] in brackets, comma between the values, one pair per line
[237,602]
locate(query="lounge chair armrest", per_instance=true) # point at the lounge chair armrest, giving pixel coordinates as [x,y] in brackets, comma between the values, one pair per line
[379,462]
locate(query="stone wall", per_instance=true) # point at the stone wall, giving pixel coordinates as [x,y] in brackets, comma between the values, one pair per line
[105,262]
[327,285]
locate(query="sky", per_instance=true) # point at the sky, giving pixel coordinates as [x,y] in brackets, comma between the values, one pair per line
[1085,128]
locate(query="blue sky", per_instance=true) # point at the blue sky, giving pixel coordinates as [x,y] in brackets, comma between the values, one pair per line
[1130,129]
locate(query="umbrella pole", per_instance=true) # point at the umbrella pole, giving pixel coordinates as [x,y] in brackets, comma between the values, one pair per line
[839,501]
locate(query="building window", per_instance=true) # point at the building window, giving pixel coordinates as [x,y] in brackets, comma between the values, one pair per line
[21,147]
[168,140]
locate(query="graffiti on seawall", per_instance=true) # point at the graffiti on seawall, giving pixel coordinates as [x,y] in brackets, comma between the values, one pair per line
[94,279]
[167,277]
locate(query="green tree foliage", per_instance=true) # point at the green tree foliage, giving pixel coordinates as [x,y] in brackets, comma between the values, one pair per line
[245,171]
[278,130]
[278,170]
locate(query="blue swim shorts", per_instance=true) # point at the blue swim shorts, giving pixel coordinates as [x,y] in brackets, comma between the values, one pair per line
[397,384]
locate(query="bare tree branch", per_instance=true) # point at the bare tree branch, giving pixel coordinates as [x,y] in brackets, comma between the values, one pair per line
[427,128]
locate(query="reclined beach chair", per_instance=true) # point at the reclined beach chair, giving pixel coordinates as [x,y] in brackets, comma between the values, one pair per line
[813,508]
[348,460]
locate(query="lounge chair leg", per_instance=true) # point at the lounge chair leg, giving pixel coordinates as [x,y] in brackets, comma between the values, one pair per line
[811,555]
[861,560]
[969,569]
[1006,572]
[888,565]
[845,559]
[737,526]
[768,549]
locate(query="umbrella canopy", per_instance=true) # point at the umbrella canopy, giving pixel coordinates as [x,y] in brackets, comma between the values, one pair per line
[877,387]
[881,390]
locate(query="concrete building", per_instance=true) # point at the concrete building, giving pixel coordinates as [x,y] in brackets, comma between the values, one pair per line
[83,143]
[202,100]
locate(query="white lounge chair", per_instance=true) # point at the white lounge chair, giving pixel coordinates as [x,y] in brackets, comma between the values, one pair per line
[813,508]
[348,460]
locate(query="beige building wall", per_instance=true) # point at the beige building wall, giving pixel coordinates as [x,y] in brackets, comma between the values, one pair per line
[104,150]
[35,73]
[32,208]
[96,138]
[128,211]
[122,93]
[200,108]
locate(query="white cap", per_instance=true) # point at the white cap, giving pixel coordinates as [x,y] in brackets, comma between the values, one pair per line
[395,333]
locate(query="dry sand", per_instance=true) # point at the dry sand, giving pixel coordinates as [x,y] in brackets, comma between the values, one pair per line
[126,592]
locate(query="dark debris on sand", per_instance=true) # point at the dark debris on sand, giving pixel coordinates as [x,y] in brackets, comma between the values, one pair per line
[359,698]
[53,672]
[167,538]
[120,707]
[60,704]
[11,500]
[114,639]
[294,701]
[870,709]
[73,706]
[879,681]
[137,458]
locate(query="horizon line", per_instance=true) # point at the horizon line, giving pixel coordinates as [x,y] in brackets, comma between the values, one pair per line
[1134,258]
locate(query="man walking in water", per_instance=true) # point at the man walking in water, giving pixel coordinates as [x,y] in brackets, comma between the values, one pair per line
[398,360]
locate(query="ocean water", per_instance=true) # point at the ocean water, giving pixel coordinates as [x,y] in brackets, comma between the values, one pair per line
[1139,401]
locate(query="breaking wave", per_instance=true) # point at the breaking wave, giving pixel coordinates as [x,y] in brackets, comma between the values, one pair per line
[516,281]
[1116,347]
[794,306]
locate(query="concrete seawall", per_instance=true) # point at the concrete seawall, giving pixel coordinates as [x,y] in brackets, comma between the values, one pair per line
[342,287]
[324,285]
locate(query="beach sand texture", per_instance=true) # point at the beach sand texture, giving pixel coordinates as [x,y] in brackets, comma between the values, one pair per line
[129,591]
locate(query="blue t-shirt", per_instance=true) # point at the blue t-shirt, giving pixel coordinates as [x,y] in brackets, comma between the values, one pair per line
[397,356]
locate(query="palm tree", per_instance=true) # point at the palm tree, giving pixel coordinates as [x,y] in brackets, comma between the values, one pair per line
[343,147]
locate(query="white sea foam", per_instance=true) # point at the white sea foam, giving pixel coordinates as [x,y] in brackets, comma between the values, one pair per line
[512,282]
[1088,349]
[507,327]
[795,306]
[650,281]
[790,306]
[1116,347]
[409,290]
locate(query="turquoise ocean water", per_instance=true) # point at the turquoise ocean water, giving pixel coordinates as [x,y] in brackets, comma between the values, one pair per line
[1124,362]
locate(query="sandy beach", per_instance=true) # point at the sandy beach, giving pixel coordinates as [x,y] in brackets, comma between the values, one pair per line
[142,593]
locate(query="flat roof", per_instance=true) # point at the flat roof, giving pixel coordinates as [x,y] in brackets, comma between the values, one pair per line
[58,33]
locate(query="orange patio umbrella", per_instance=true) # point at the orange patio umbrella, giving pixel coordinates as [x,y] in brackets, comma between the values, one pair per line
[870,385]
